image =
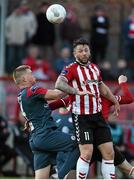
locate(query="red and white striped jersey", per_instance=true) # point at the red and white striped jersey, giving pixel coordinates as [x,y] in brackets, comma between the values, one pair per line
[84,78]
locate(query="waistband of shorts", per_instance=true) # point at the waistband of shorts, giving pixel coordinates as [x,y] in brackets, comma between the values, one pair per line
[95,114]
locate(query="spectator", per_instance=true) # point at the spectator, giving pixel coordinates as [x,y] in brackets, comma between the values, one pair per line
[99,34]
[41,68]
[70,29]
[122,68]
[31,21]
[107,72]
[21,144]
[128,34]
[64,59]
[6,152]
[17,32]
[45,34]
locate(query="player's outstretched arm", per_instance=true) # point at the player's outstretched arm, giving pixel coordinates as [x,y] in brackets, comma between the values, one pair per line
[105,91]
[62,84]
[54,94]
[127,96]
[60,103]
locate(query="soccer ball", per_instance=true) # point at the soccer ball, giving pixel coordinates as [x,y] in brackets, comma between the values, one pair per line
[56,13]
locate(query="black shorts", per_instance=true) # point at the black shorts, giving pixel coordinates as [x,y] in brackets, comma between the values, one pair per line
[91,129]
[119,158]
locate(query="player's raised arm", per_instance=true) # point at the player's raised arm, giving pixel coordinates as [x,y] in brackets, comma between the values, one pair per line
[127,96]
[62,84]
[53,94]
[60,103]
[105,91]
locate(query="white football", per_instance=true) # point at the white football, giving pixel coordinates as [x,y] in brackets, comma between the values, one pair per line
[56,13]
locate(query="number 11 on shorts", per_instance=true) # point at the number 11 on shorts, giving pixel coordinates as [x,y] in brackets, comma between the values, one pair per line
[86,136]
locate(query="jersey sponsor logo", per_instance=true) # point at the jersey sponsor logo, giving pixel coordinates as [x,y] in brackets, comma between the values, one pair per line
[88,81]
[86,134]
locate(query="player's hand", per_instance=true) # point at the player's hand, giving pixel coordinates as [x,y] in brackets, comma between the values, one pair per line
[116,109]
[82,93]
[122,79]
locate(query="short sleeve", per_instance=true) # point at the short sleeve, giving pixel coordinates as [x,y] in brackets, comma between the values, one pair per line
[67,72]
[36,91]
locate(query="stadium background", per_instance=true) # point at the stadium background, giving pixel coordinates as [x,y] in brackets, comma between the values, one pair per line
[117,10]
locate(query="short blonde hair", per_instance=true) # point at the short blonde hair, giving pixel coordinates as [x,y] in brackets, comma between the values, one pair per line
[19,71]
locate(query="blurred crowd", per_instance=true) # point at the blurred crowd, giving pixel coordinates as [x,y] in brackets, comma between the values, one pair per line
[32,40]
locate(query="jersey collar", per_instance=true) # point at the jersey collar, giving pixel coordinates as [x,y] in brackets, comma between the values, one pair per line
[81,64]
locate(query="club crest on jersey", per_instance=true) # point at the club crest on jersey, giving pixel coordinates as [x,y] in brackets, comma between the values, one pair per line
[33,88]
[73,138]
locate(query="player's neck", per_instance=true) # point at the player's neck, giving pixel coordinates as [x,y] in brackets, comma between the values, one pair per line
[23,86]
[82,64]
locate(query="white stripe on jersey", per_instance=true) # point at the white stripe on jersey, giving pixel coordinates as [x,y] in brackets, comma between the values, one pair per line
[92,90]
[76,107]
[86,97]
[97,70]
[97,87]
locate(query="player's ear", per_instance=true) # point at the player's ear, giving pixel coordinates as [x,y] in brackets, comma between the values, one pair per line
[74,54]
[23,78]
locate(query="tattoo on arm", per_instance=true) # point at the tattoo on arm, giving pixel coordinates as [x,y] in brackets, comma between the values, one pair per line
[62,85]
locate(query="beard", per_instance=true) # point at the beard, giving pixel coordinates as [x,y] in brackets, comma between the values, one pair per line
[83,62]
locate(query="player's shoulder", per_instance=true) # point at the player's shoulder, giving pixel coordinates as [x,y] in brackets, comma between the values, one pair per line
[94,66]
[31,90]
[71,65]
[69,68]
[35,87]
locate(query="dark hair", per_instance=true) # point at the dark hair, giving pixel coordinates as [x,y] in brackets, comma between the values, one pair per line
[80,41]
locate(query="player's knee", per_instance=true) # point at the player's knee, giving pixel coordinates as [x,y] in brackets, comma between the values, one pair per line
[107,151]
[108,154]
[42,173]
[86,151]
